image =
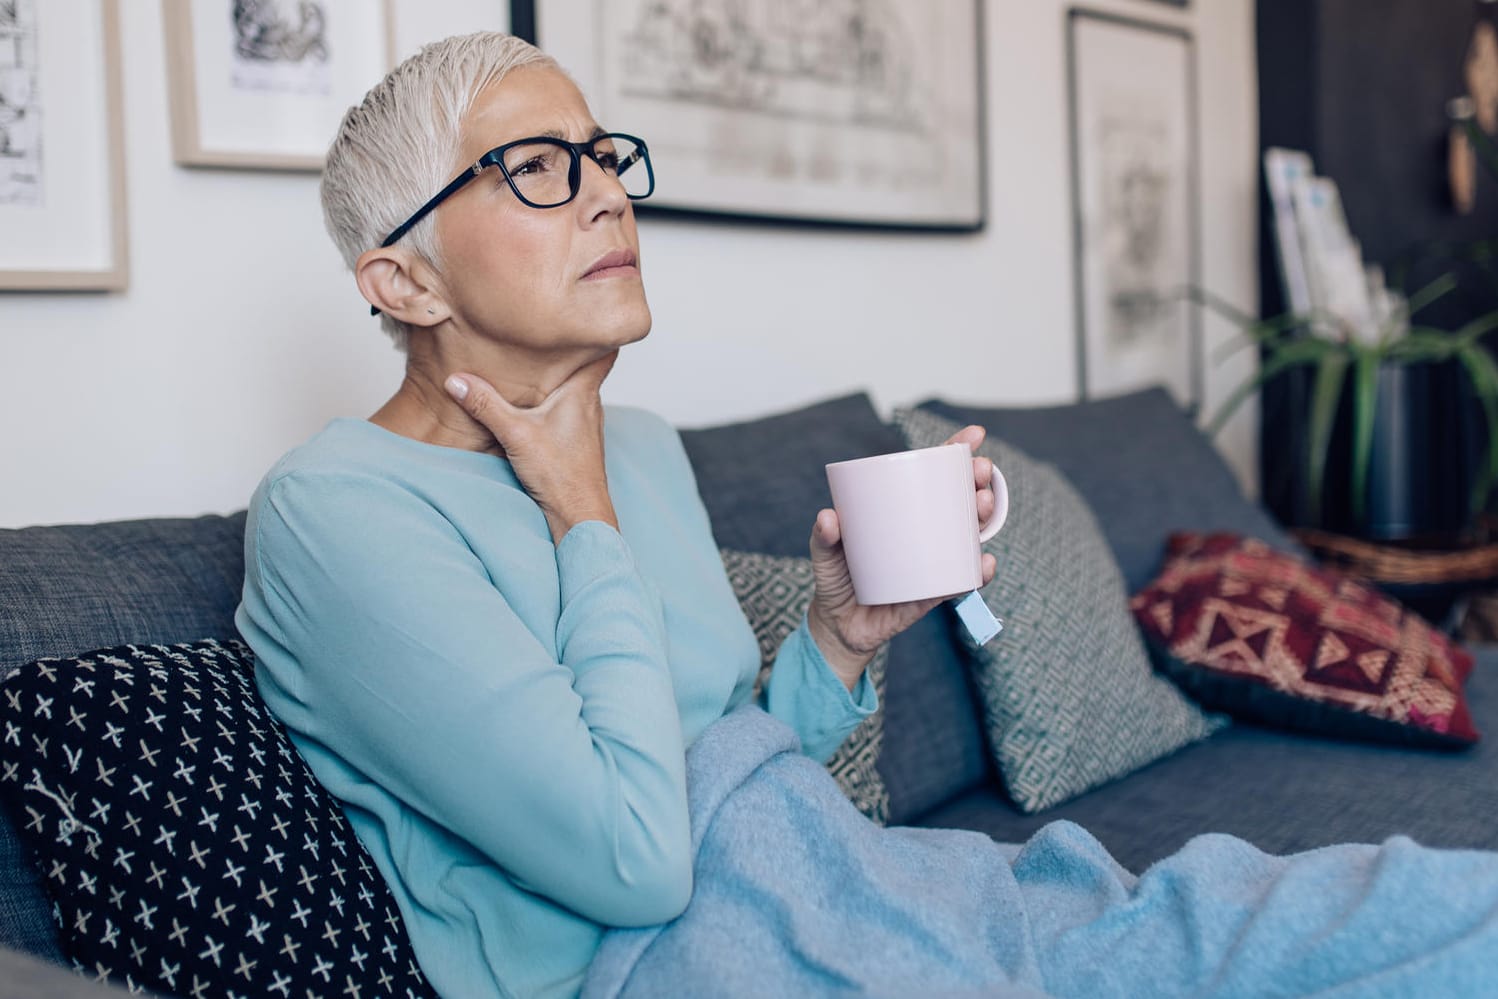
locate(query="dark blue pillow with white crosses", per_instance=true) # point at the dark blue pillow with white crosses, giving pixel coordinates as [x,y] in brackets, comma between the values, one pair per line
[187,848]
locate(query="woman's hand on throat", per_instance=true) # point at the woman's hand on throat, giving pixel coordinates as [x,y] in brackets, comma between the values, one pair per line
[555,447]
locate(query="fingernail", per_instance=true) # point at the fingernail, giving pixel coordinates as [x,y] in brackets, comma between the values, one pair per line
[456,387]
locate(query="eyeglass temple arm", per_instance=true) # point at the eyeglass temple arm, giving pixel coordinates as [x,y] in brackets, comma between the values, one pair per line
[426,209]
[436,200]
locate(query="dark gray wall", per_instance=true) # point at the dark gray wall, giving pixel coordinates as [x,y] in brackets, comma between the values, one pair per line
[1387,69]
[1362,85]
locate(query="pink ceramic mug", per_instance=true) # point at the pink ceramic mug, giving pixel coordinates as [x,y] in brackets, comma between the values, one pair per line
[910,523]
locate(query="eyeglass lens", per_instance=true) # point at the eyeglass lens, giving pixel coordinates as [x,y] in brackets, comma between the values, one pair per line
[541,170]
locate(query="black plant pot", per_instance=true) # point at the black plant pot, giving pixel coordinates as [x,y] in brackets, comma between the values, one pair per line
[1427,449]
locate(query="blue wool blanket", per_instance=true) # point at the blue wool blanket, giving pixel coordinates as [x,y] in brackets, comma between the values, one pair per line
[796,893]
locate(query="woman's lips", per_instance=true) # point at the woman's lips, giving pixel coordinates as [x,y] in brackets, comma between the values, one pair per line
[615,263]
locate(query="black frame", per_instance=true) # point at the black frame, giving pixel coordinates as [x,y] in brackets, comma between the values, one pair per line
[523,24]
[1193,190]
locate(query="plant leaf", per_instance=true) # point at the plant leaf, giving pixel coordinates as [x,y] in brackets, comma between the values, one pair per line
[1259,330]
[1432,292]
[1422,343]
[1291,355]
[1220,305]
[1484,375]
[1473,331]
[1326,392]
[1364,402]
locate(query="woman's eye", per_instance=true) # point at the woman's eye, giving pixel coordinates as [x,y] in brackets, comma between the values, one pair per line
[608,160]
[534,165]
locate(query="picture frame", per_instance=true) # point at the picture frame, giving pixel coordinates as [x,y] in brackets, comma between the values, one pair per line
[61,130]
[787,113]
[1133,111]
[263,86]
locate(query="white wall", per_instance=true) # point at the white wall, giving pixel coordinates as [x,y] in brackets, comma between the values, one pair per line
[240,334]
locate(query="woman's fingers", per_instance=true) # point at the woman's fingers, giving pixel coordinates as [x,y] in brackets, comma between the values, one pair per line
[479,399]
[987,503]
[982,472]
[826,531]
[972,435]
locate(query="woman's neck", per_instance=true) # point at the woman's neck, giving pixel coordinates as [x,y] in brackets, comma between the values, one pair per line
[422,410]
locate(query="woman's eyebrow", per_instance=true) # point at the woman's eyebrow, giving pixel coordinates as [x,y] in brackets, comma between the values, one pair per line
[556,133]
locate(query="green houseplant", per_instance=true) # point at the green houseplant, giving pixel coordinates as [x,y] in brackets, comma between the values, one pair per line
[1344,371]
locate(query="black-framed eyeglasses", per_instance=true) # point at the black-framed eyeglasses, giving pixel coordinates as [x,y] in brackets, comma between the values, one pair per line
[546,172]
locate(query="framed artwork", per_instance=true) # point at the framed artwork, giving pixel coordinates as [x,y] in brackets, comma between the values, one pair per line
[1135,205]
[808,111]
[62,164]
[263,85]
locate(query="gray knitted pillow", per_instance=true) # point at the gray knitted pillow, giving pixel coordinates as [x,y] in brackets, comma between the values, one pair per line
[775,591]
[1069,698]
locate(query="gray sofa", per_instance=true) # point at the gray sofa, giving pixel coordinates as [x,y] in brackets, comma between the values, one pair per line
[1137,460]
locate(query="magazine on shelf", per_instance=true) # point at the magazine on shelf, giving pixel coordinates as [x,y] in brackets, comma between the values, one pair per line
[1282,169]
[1321,264]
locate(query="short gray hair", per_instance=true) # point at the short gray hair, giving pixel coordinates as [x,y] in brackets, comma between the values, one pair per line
[399,146]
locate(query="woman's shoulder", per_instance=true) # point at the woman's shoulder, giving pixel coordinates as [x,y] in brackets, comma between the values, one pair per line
[352,464]
[349,448]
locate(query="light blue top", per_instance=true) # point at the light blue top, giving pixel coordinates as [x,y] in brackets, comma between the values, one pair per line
[503,719]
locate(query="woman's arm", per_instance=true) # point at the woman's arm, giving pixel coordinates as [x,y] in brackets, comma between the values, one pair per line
[807,694]
[558,757]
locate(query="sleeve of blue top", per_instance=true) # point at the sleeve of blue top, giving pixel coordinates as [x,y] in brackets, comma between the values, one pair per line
[804,693]
[568,771]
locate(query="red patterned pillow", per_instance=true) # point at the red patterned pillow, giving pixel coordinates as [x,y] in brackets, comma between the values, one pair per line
[1264,636]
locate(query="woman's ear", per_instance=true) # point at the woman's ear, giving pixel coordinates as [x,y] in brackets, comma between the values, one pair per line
[400,285]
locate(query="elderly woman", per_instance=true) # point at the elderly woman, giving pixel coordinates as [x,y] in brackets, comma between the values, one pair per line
[493,614]
[494,620]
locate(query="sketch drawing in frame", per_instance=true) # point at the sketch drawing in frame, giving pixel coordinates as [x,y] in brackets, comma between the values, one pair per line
[822,111]
[62,164]
[1135,206]
[263,84]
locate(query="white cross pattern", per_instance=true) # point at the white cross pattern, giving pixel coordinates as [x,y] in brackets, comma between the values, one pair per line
[132,763]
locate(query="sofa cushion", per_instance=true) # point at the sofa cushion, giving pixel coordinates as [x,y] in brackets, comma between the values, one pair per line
[134,581]
[763,482]
[775,592]
[1282,791]
[1142,466]
[185,844]
[1069,698]
[1262,635]
[94,585]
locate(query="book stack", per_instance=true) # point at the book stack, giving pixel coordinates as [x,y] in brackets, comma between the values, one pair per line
[1321,265]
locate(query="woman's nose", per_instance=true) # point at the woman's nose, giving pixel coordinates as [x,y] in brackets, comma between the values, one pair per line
[603,191]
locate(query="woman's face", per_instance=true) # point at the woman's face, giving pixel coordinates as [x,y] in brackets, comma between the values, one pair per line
[528,277]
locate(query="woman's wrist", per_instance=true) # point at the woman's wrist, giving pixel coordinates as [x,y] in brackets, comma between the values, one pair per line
[561,523]
[846,662]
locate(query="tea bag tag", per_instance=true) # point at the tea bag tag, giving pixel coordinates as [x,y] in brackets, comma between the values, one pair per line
[978,619]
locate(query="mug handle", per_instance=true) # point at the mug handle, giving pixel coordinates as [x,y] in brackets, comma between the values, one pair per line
[1000,507]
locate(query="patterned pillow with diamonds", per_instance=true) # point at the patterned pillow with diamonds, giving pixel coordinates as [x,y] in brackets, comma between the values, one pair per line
[185,844]
[1264,636]
[1070,700]
[775,591]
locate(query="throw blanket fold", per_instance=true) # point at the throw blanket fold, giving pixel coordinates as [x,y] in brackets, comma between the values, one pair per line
[796,893]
